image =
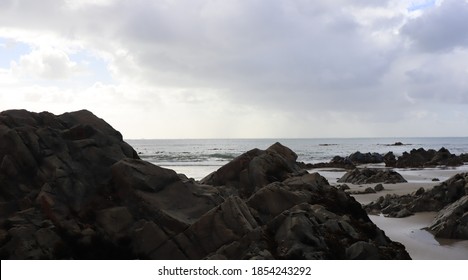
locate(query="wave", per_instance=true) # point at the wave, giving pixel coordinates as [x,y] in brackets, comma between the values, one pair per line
[186,157]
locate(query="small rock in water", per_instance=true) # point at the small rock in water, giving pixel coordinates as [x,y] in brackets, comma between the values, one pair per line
[435,180]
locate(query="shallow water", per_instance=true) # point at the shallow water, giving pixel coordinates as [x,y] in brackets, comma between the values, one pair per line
[421,244]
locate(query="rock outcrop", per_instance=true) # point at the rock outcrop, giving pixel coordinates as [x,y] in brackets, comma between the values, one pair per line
[452,221]
[70,188]
[371,176]
[416,158]
[365,158]
[335,162]
[422,200]
[254,169]
[421,158]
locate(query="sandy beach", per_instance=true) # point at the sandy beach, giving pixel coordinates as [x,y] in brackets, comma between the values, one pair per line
[409,231]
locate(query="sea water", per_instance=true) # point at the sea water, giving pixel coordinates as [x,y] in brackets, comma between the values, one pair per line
[197,158]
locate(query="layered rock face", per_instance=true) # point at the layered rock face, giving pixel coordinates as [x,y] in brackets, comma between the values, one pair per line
[71,188]
[422,200]
[371,176]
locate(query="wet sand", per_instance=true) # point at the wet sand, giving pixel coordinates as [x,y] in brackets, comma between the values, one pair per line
[409,231]
[421,244]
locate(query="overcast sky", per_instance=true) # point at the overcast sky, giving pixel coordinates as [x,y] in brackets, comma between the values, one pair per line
[242,68]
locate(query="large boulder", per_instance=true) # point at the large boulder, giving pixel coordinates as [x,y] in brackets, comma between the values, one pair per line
[371,176]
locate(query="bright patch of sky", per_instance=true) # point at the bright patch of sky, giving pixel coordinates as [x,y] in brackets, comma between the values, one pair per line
[96,68]
[421,5]
[11,50]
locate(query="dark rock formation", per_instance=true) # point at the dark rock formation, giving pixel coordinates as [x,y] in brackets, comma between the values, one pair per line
[416,158]
[348,162]
[430,158]
[70,188]
[379,188]
[422,200]
[452,221]
[464,157]
[397,144]
[247,173]
[336,162]
[360,158]
[390,159]
[371,176]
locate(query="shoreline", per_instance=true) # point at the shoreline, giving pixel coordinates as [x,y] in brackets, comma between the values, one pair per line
[409,231]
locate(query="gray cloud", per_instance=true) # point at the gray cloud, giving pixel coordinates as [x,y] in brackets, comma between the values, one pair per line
[301,58]
[441,28]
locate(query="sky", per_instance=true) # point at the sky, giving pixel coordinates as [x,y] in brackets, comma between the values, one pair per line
[242,69]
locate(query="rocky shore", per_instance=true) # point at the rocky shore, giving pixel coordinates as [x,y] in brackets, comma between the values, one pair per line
[71,188]
[416,158]
[449,199]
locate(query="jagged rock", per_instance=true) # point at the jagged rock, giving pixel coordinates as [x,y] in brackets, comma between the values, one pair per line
[70,188]
[142,175]
[422,200]
[360,158]
[452,221]
[255,169]
[362,250]
[430,158]
[390,159]
[335,162]
[370,176]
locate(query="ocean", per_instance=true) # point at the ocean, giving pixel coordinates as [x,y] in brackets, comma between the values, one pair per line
[197,158]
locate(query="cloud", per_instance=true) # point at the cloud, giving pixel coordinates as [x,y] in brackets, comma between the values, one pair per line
[46,64]
[345,68]
[442,28]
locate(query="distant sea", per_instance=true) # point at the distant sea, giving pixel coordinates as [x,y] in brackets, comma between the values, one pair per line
[197,158]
